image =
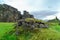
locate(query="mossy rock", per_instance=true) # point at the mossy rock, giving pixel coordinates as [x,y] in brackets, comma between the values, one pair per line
[34,20]
[29,19]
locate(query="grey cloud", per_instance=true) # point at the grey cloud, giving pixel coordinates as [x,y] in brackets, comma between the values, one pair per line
[43,14]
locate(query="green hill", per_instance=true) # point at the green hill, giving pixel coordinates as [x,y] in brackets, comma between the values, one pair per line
[50,33]
[55,20]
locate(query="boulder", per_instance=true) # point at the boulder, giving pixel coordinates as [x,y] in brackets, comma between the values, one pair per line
[43,26]
[26,15]
[20,22]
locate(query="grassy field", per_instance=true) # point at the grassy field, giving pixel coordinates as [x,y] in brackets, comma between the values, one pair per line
[5,28]
[52,33]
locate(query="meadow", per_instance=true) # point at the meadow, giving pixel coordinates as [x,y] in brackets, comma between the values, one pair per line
[6,27]
[51,33]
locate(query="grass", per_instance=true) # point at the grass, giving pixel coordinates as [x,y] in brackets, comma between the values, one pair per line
[5,27]
[52,33]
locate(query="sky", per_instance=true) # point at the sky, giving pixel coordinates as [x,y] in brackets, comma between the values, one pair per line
[35,6]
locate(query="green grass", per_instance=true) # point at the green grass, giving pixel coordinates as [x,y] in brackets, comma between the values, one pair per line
[51,33]
[5,27]
[55,27]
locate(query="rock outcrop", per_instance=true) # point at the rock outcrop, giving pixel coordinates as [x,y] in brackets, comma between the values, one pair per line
[31,25]
[11,14]
[27,15]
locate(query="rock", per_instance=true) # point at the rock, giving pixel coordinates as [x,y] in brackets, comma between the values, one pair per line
[9,13]
[36,25]
[46,26]
[29,26]
[43,26]
[31,22]
[17,33]
[32,27]
[27,15]
[41,23]
[21,22]
[31,16]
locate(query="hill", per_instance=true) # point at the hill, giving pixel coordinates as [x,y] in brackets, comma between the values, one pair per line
[11,14]
[50,33]
[55,20]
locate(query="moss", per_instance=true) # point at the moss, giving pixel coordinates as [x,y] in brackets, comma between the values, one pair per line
[34,20]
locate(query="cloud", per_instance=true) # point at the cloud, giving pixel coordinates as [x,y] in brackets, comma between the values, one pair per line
[36,5]
[20,4]
[43,14]
[58,15]
[33,5]
[29,5]
[49,17]
[52,16]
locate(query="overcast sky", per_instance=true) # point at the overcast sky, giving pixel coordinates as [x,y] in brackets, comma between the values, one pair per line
[36,5]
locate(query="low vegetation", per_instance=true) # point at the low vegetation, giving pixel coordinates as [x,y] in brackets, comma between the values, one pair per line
[50,33]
